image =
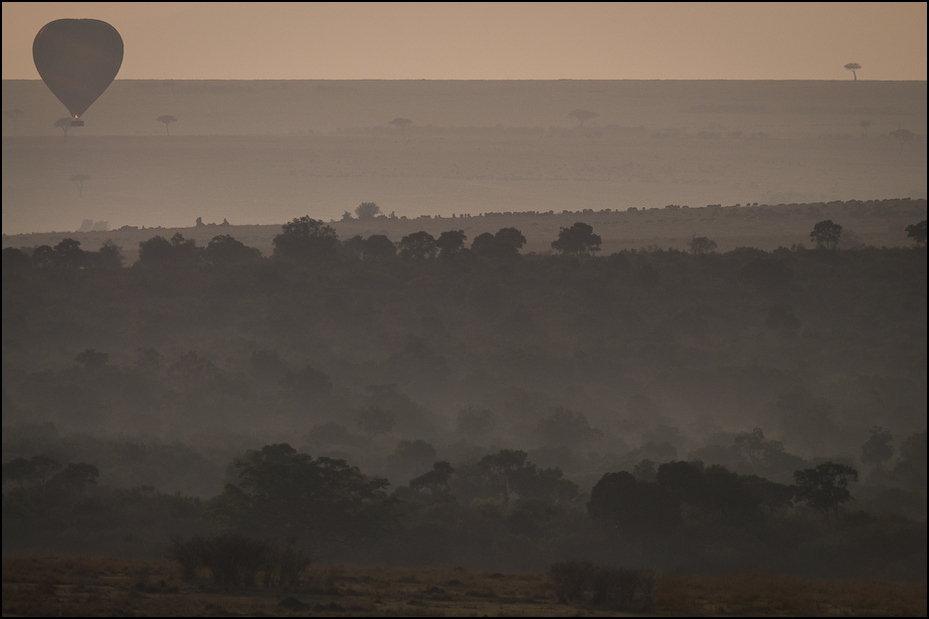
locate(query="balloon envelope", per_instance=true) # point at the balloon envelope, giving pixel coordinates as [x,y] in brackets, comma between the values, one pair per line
[77,59]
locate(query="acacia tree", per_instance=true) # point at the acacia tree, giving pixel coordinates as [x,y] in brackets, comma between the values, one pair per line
[167,119]
[903,136]
[582,115]
[826,234]
[64,124]
[80,179]
[853,66]
[401,123]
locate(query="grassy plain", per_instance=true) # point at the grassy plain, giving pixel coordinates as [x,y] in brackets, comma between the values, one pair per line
[63,586]
[266,152]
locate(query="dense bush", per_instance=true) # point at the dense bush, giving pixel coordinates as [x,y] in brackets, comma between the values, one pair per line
[611,587]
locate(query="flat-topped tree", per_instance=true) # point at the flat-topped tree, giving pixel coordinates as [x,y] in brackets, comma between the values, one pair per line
[401,123]
[79,179]
[582,115]
[167,119]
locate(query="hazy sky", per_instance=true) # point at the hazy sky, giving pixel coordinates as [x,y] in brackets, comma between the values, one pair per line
[220,40]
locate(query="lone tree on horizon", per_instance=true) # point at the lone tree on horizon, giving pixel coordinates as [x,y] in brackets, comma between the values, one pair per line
[578,239]
[64,124]
[401,123]
[167,119]
[367,211]
[904,136]
[582,115]
[79,179]
[826,234]
[853,66]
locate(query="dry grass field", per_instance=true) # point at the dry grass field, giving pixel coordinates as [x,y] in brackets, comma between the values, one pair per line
[34,586]
[266,152]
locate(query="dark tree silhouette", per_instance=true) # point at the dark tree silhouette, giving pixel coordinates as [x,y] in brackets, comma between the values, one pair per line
[826,234]
[877,449]
[418,246]
[903,136]
[167,119]
[68,254]
[451,242]
[80,179]
[565,427]
[917,232]
[36,470]
[226,249]
[160,251]
[401,123]
[825,488]
[378,246]
[374,421]
[853,67]
[305,238]
[506,243]
[91,358]
[700,245]
[638,507]
[64,124]
[581,116]
[76,477]
[14,115]
[436,481]
[110,255]
[578,239]
[504,466]
[284,494]
[367,211]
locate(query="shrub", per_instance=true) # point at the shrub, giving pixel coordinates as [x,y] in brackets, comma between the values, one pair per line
[237,560]
[616,588]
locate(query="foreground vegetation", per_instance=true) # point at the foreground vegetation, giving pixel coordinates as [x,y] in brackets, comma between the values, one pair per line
[36,586]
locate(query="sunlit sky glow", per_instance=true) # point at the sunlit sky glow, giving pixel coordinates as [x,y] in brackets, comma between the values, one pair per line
[493,41]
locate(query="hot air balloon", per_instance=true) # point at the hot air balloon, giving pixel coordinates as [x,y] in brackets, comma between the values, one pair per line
[77,59]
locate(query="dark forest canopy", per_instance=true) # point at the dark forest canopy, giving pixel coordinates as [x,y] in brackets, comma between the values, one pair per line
[482,383]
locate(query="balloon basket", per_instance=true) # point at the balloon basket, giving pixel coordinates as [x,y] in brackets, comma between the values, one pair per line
[77,123]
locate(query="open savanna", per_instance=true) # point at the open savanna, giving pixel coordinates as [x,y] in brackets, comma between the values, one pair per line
[265,152]
[75,586]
